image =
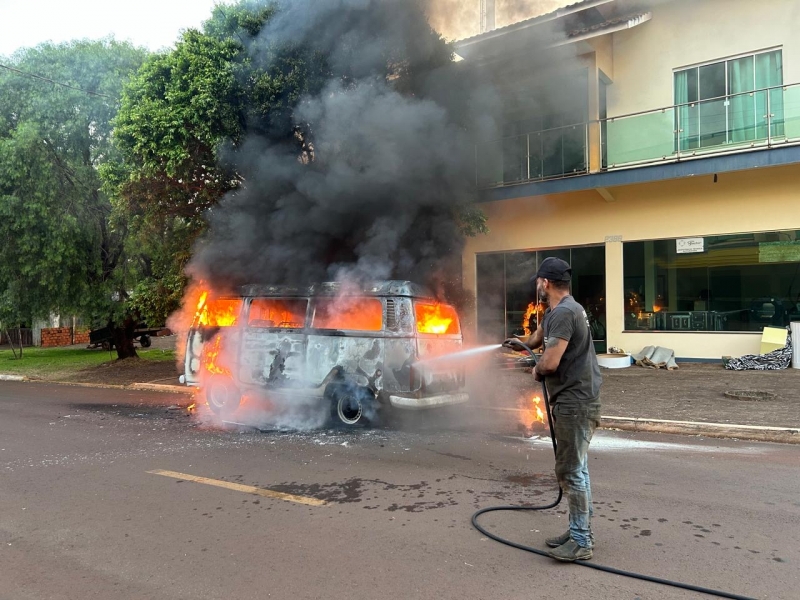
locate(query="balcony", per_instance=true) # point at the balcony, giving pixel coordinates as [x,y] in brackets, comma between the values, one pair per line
[761,119]
[534,156]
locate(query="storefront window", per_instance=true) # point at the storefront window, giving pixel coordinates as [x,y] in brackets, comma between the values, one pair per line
[719,283]
[506,300]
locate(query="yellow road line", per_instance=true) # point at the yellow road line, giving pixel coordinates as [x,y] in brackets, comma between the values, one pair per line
[238,487]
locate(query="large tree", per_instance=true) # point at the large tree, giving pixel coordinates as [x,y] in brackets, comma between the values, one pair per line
[61,250]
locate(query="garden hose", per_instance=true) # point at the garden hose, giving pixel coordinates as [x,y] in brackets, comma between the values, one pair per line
[582,563]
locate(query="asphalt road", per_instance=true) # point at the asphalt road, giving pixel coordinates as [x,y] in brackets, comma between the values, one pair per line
[365,515]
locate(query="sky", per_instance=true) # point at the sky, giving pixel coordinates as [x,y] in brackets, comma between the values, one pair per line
[153,24]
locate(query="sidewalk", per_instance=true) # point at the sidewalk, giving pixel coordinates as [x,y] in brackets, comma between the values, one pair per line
[690,400]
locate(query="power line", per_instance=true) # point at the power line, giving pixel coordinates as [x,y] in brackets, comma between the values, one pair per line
[66,85]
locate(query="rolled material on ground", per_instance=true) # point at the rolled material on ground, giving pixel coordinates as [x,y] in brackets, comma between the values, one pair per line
[656,357]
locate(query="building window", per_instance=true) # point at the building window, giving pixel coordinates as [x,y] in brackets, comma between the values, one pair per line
[506,302]
[730,101]
[719,283]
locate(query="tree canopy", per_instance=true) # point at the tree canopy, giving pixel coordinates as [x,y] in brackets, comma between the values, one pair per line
[60,251]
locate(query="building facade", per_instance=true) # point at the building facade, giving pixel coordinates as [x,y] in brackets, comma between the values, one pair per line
[655,145]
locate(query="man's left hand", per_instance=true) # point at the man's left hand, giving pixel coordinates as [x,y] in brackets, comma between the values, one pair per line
[536,375]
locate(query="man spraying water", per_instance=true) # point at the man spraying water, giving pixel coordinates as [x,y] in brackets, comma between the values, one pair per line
[568,368]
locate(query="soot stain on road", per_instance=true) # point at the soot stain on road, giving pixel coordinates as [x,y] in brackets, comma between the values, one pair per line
[535,479]
[414,497]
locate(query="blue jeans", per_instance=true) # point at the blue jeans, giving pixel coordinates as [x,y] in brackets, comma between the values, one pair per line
[574,427]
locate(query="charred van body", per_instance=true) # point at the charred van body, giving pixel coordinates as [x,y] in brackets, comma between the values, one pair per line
[358,350]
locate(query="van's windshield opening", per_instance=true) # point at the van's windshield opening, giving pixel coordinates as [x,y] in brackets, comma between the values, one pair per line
[348,313]
[284,313]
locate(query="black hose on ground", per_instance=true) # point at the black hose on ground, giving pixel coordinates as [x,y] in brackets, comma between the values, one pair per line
[582,563]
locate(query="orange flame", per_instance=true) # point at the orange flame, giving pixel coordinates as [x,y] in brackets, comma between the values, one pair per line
[219,312]
[531,414]
[210,359]
[526,320]
[438,319]
[345,312]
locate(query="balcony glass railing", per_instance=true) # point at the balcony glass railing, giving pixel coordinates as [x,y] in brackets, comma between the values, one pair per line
[761,118]
[537,155]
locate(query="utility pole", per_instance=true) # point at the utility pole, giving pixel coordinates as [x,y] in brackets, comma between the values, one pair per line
[487,15]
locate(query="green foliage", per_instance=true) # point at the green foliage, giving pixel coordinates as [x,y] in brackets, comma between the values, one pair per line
[58,250]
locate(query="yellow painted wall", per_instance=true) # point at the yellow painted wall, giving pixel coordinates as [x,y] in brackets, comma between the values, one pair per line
[748,201]
[686,32]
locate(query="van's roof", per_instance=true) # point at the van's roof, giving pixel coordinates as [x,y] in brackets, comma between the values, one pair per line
[335,288]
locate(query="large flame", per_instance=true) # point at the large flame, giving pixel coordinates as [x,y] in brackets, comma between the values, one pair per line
[526,320]
[218,312]
[211,360]
[436,318]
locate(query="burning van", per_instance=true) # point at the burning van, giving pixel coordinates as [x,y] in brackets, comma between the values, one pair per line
[355,351]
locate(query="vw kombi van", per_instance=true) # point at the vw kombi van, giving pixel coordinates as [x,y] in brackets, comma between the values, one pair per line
[358,351]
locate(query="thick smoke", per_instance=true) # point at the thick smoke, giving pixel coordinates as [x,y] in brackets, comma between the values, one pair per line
[389,170]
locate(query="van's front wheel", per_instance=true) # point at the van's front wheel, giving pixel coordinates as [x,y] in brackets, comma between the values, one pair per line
[222,395]
[351,405]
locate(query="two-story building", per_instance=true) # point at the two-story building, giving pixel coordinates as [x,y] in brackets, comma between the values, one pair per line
[655,145]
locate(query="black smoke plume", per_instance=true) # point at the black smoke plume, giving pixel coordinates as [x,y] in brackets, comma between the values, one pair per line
[386,166]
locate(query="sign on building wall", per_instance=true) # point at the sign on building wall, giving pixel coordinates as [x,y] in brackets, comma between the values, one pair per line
[690,245]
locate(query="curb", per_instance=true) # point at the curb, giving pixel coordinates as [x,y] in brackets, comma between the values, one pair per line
[152,387]
[12,377]
[759,433]
[158,387]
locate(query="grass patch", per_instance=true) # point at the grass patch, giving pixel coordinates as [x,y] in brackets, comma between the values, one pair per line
[60,363]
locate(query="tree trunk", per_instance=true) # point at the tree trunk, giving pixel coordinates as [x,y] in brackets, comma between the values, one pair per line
[123,339]
[19,339]
[11,343]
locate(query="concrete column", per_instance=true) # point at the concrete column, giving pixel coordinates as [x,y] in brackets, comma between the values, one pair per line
[672,276]
[650,280]
[595,152]
[469,313]
[615,292]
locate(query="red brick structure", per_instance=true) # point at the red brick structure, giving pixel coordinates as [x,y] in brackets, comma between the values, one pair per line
[62,336]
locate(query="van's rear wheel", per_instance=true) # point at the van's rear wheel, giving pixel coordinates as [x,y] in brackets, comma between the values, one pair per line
[351,405]
[222,395]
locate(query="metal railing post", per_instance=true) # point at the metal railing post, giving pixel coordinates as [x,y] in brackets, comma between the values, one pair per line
[528,156]
[586,157]
[769,117]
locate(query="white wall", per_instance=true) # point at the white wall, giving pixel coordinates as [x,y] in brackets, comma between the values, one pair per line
[686,32]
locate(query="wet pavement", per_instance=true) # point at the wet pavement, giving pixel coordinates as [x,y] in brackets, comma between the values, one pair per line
[124,494]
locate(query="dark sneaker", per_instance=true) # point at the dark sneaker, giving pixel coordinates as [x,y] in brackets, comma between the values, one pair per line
[570,552]
[555,542]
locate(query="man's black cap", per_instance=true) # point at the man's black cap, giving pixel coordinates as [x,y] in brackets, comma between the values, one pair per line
[554,269]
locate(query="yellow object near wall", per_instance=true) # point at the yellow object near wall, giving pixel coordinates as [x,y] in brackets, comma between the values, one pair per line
[773,338]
